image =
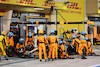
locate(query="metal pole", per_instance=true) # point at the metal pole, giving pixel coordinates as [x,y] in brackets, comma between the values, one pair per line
[1,24]
[56,19]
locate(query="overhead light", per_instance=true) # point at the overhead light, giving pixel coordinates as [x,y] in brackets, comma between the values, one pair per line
[96,18]
[38,8]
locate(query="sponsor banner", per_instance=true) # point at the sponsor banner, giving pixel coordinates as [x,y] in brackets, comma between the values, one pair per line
[74,12]
[33,3]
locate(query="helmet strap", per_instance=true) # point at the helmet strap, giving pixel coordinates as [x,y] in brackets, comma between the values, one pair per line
[52,34]
[29,36]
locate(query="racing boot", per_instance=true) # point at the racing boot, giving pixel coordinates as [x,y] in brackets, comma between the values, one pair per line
[46,60]
[52,59]
[40,60]
[64,57]
[83,57]
[93,54]
[56,58]
[71,58]
[6,57]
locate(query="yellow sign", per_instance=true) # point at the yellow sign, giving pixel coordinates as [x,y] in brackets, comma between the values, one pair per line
[74,12]
[33,3]
[71,13]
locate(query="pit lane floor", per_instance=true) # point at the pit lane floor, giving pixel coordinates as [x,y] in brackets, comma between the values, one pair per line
[31,62]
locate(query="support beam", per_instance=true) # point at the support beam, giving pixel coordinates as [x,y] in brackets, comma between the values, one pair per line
[7,20]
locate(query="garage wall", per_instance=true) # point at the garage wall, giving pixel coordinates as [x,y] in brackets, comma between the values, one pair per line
[97,23]
[42,27]
[92,6]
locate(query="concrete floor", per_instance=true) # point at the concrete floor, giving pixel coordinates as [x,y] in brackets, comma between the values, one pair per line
[77,62]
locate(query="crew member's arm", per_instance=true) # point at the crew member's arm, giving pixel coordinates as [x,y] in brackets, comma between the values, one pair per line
[6,41]
[89,44]
[62,47]
[58,42]
[78,40]
[17,47]
[33,38]
[46,41]
[11,41]
[73,42]
[26,41]
[7,38]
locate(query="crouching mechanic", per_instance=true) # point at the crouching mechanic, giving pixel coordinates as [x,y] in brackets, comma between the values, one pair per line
[20,47]
[41,41]
[11,41]
[29,42]
[80,48]
[63,50]
[89,46]
[2,41]
[52,39]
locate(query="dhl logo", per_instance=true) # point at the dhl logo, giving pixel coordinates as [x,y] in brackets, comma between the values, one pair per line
[49,4]
[5,0]
[27,2]
[73,6]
